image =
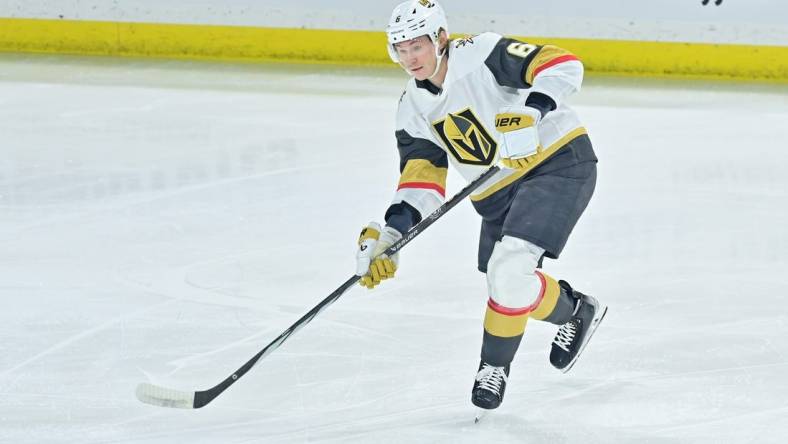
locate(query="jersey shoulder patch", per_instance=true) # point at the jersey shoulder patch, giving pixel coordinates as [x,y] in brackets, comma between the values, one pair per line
[461,43]
[467,54]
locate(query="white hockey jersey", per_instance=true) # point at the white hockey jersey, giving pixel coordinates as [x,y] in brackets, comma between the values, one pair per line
[456,124]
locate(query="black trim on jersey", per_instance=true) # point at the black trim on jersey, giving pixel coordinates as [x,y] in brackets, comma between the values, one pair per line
[509,70]
[429,86]
[540,101]
[402,217]
[412,148]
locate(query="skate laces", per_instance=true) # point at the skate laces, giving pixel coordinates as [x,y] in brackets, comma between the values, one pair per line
[490,378]
[566,334]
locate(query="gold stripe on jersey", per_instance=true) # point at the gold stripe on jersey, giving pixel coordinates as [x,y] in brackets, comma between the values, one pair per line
[551,293]
[504,326]
[423,171]
[547,54]
[538,159]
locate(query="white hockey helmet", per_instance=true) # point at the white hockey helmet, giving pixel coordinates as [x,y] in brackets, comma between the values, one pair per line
[415,18]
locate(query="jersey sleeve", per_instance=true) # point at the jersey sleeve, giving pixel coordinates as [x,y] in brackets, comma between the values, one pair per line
[423,168]
[545,69]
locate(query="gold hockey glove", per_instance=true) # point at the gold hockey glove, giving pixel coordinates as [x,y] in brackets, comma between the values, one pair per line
[371,264]
[519,136]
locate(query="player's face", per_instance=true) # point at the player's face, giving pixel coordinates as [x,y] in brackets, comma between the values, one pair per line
[417,56]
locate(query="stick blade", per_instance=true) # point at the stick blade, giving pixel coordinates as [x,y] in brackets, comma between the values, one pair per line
[165,397]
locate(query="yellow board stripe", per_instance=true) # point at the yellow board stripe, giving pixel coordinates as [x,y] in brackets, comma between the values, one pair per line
[205,42]
[684,60]
[237,43]
[545,153]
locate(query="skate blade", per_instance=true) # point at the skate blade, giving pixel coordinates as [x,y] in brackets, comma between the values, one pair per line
[591,330]
[480,413]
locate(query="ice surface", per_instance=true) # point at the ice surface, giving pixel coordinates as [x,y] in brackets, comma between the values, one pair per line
[161,222]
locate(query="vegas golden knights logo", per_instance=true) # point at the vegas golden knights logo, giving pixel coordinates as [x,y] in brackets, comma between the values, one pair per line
[466,138]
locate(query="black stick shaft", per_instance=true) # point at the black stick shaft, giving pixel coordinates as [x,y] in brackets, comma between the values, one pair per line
[202,398]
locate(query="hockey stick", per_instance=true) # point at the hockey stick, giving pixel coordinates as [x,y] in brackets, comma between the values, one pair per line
[167,397]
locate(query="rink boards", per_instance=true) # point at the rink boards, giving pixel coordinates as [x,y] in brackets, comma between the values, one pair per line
[336,46]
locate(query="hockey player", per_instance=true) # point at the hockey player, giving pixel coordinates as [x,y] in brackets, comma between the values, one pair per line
[474,103]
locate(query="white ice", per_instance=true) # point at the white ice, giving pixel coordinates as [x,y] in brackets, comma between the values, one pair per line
[163,221]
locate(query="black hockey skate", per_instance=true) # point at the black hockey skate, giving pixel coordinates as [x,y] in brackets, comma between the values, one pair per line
[489,386]
[573,336]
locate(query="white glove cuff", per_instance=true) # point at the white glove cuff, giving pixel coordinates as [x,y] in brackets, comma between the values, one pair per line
[390,235]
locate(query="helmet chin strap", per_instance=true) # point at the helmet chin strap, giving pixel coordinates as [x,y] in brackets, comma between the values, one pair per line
[434,73]
[437,64]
